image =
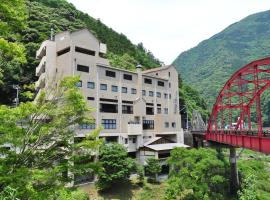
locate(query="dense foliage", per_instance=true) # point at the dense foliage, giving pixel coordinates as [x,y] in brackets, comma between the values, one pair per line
[153,168]
[254,175]
[37,151]
[209,65]
[117,166]
[197,174]
[24,24]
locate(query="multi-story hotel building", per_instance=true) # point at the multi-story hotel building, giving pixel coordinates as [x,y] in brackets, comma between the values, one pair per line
[139,109]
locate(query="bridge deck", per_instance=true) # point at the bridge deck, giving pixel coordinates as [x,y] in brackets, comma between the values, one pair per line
[245,139]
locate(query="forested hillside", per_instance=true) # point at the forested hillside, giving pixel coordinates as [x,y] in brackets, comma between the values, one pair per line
[24,24]
[208,65]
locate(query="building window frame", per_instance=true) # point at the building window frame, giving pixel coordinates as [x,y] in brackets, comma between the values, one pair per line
[124,90]
[114,88]
[103,86]
[109,123]
[91,85]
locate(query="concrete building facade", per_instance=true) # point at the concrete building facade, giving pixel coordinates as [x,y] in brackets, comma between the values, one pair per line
[135,108]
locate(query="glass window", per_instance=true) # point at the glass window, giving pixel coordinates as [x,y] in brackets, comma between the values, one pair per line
[91,85]
[82,68]
[79,84]
[148,81]
[158,94]
[127,77]
[161,83]
[110,73]
[124,89]
[133,91]
[87,126]
[166,124]
[158,110]
[151,93]
[170,96]
[85,51]
[143,92]
[114,88]
[166,111]
[126,109]
[103,86]
[148,124]
[109,123]
[173,124]
[149,110]
[165,96]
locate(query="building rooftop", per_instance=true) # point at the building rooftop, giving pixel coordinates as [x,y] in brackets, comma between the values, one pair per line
[166,146]
[157,69]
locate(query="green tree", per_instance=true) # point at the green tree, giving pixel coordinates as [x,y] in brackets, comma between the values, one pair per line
[117,166]
[37,148]
[196,174]
[153,167]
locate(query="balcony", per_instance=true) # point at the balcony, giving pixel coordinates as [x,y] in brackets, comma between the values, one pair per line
[41,82]
[134,128]
[42,50]
[41,67]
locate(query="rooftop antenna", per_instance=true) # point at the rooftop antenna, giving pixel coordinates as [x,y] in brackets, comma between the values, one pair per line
[52,33]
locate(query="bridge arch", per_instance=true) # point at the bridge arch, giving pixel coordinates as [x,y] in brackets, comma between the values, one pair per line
[236,117]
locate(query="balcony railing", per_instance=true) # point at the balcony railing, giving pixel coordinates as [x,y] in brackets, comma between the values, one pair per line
[41,82]
[41,67]
[134,128]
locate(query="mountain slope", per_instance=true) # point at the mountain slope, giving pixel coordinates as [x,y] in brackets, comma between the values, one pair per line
[208,65]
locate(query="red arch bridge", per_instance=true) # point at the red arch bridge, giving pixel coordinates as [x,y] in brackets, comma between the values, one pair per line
[236,117]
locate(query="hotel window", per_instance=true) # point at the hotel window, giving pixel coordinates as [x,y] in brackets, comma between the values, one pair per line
[126,109]
[124,90]
[63,51]
[91,85]
[109,123]
[151,93]
[166,111]
[148,81]
[82,68]
[149,110]
[173,124]
[108,108]
[161,83]
[103,86]
[133,91]
[148,124]
[114,88]
[167,124]
[158,94]
[165,96]
[110,73]
[79,84]
[127,77]
[87,126]
[143,92]
[85,51]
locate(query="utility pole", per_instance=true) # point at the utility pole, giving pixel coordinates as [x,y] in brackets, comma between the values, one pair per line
[17,88]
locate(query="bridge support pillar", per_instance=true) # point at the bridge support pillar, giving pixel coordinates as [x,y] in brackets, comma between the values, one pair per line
[234,180]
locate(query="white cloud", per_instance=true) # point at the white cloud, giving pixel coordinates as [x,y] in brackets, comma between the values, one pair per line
[169,27]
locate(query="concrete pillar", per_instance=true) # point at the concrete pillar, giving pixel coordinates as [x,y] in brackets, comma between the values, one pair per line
[234,181]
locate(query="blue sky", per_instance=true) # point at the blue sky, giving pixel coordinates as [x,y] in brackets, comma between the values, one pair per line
[169,27]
